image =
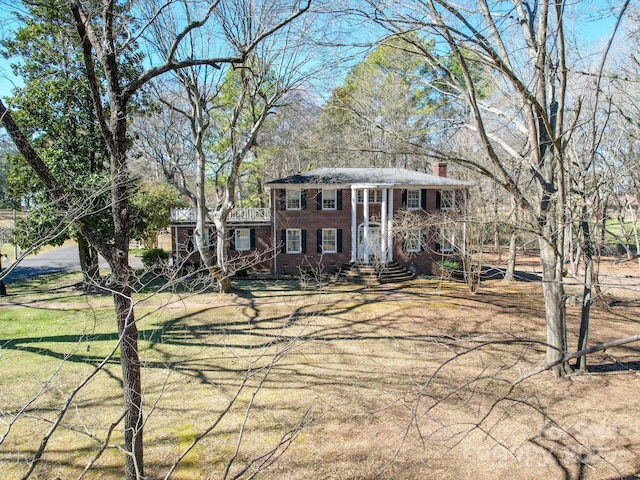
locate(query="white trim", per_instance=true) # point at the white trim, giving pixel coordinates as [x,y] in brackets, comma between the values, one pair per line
[416,234]
[286,239]
[335,198]
[247,247]
[390,227]
[354,225]
[276,247]
[453,199]
[286,199]
[412,191]
[335,240]
[365,233]
[384,225]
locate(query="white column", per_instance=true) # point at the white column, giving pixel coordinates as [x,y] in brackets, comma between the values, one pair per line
[390,226]
[177,261]
[354,225]
[384,226]
[273,195]
[365,236]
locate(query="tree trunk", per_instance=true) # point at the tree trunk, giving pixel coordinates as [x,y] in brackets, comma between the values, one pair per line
[553,293]
[88,261]
[130,364]
[509,273]
[222,273]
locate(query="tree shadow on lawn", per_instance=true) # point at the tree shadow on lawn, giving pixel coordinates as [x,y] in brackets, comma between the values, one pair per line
[489,272]
[253,330]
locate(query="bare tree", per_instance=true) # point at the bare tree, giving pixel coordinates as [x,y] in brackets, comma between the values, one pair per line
[524,47]
[108,34]
[225,108]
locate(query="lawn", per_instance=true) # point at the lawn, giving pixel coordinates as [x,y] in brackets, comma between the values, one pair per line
[389,382]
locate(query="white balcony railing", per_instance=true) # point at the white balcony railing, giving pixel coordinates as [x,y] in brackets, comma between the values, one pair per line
[249,215]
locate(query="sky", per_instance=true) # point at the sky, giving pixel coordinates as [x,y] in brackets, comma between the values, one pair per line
[593,32]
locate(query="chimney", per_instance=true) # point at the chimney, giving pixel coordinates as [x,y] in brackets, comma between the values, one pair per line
[440,169]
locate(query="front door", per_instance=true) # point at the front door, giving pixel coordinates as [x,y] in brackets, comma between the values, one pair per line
[374,242]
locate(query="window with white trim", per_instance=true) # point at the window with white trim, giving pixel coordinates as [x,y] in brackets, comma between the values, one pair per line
[447,199]
[447,239]
[329,199]
[375,195]
[294,199]
[294,240]
[412,240]
[329,240]
[243,239]
[413,200]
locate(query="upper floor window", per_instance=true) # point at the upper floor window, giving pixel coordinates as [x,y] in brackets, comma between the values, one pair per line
[447,199]
[375,195]
[413,200]
[329,199]
[293,201]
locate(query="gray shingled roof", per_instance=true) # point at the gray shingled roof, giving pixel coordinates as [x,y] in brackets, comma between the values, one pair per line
[385,176]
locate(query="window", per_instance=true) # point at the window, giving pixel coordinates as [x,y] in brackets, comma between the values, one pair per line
[293,200]
[243,239]
[412,240]
[329,198]
[294,240]
[447,239]
[329,240]
[447,199]
[413,199]
[375,195]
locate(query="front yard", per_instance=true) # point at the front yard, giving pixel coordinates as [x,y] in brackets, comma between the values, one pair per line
[390,382]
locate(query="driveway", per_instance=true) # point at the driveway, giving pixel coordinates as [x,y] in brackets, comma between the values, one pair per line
[63,259]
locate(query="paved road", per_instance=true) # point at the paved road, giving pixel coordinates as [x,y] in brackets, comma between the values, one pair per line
[63,259]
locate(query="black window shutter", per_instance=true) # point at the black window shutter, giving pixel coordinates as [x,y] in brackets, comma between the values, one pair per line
[252,238]
[303,235]
[404,198]
[303,200]
[319,240]
[232,240]
[339,240]
[319,200]
[282,198]
[339,199]
[283,238]
[423,198]
[438,200]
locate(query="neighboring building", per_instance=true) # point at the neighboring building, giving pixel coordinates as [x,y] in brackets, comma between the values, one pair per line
[329,217]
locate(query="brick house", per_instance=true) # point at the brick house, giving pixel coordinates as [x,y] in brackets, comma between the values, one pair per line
[329,217]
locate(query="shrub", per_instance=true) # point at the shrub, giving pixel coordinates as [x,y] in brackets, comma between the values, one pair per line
[448,268]
[155,258]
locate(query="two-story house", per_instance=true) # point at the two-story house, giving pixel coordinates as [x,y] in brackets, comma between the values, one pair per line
[329,217]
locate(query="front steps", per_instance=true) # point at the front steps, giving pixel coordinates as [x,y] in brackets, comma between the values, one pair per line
[376,274]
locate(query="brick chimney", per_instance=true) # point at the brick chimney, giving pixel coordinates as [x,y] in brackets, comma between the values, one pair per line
[440,169]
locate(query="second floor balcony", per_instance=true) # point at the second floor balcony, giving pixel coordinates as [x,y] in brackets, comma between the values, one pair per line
[237,215]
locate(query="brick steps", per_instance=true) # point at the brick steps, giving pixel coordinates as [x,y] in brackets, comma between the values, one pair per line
[376,274]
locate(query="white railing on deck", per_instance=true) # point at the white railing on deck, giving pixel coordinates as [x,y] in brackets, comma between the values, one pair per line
[189,215]
[249,215]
